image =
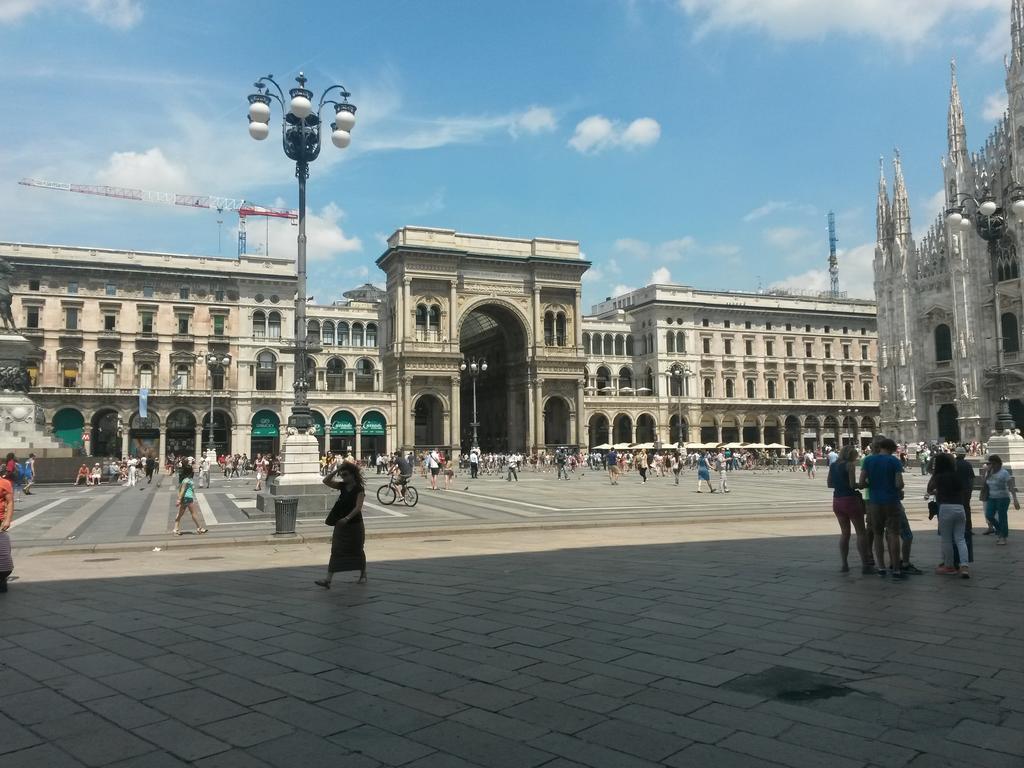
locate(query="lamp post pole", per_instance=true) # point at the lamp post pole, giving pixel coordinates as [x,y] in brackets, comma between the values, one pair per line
[301,140]
[213,362]
[474,367]
[681,374]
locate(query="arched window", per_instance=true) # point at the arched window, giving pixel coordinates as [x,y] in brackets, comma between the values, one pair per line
[311,373]
[629,346]
[620,348]
[108,376]
[1011,332]
[560,329]
[670,342]
[643,345]
[596,343]
[435,317]
[357,334]
[145,376]
[810,390]
[730,388]
[791,390]
[328,333]
[943,343]
[625,378]
[708,388]
[771,389]
[181,373]
[586,342]
[848,390]
[750,388]
[604,379]
[650,343]
[335,375]
[549,329]
[830,390]
[313,332]
[259,324]
[421,317]
[364,376]
[266,372]
[648,381]
[680,342]
[274,325]
[371,334]
[867,390]
[608,341]
[342,334]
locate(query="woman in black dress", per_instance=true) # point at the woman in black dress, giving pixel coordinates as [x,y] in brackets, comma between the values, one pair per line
[347,518]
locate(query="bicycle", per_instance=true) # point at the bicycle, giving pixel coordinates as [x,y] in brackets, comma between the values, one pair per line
[388,494]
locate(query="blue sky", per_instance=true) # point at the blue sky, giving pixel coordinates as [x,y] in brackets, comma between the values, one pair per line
[701,141]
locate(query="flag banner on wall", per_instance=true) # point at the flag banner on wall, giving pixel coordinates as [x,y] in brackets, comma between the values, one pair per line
[143,402]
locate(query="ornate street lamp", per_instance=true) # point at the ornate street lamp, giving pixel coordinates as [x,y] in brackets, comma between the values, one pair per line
[214,363]
[474,367]
[300,135]
[849,416]
[681,373]
[990,222]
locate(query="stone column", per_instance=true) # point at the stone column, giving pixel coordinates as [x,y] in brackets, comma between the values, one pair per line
[163,447]
[760,429]
[455,437]
[538,323]
[406,415]
[406,306]
[538,412]
[718,428]
[199,440]
[452,327]
[358,447]
[578,319]
[124,438]
[528,436]
[582,438]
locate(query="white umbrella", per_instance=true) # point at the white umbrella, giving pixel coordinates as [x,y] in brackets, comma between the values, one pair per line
[642,446]
[693,446]
[644,390]
[621,446]
[626,390]
[601,447]
[776,445]
[606,389]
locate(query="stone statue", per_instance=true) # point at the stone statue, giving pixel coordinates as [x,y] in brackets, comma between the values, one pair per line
[6,315]
[903,392]
[964,389]
[885,393]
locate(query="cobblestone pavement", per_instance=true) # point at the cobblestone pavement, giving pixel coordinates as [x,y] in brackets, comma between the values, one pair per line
[79,518]
[708,644]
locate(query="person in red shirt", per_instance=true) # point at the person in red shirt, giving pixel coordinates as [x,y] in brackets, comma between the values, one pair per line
[6,518]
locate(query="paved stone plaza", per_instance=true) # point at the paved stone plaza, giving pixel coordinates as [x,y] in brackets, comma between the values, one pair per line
[77,518]
[704,644]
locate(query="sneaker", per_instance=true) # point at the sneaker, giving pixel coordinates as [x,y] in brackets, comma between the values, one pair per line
[946,570]
[882,572]
[965,572]
[899,575]
[989,532]
[911,568]
[1001,542]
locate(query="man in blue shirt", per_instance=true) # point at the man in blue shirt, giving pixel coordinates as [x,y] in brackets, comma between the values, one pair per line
[612,462]
[882,473]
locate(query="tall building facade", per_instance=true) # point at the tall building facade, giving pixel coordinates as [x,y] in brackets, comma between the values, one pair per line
[949,304]
[386,365]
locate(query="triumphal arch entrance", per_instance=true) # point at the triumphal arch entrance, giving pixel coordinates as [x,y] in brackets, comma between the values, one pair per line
[513,303]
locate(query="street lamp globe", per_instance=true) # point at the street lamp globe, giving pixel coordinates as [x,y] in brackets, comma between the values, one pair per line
[259,112]
[965,223]
[259,131]
[1018,207]
[300,106]
[462,366]
[344,117]
[954,219]
[340,138]
[483,366]
[988,207]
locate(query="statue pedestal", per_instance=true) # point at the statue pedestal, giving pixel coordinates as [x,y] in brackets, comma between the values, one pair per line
[300,478]
[1008,446]
[20,433]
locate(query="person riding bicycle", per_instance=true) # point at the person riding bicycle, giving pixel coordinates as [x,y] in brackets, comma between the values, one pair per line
[401,470]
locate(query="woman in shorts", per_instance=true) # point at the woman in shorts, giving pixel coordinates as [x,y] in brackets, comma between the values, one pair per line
[848,507]
[449,473]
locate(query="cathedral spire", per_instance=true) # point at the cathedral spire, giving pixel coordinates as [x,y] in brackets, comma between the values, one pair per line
[900,202]
[882,210]
[956,131]
[1017,32]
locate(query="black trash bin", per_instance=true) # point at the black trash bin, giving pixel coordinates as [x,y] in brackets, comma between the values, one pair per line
[286,509]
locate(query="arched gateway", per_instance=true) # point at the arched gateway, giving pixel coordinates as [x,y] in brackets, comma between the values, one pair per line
[516,303]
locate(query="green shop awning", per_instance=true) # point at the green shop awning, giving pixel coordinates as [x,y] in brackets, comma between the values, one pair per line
[265,424]
[343,425]
[373,425]
[318,424]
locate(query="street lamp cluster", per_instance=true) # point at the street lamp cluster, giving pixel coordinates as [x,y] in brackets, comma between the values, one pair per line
[214,363]
[300,135]
[681,373]
[474,367]
[990,222]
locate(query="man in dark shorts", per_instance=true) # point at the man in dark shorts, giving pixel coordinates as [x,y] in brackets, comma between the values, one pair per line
[401,469]
[883,474]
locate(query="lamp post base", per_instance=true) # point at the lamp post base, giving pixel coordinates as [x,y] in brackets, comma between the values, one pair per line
[300,478]
[1008,445]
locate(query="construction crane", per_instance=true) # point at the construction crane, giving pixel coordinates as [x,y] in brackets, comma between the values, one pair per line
[243,207]
[833,256]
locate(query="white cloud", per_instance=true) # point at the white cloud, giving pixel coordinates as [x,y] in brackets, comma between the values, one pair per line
[661,275]
[534,120]
[119,14]
[146,170]
[904,21]
[995,105]
[932,208]
[785,238]
[856,274]
[597,133]
[325,238]
[620,289]
[777,206]
[676,249]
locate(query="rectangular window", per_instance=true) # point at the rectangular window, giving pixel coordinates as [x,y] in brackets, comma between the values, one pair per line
[846,351]
[217,381]
[111,289]
[789,326]
[110,322]
[749,347]
[146,323]
[71,318]
[807,328]
[32,317]
[863,351]
[746,324]
[845,330]
[704,322]
[728,346]
[828,351]
[727,323]
[789,349]
[863,331]
[218,295]
[183,292]
[809,349]
[826,328]
[148,291]
[33,285]
[72,286]
[769,348]
[70,374]
[183,325]
[218,325]
[707,346]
